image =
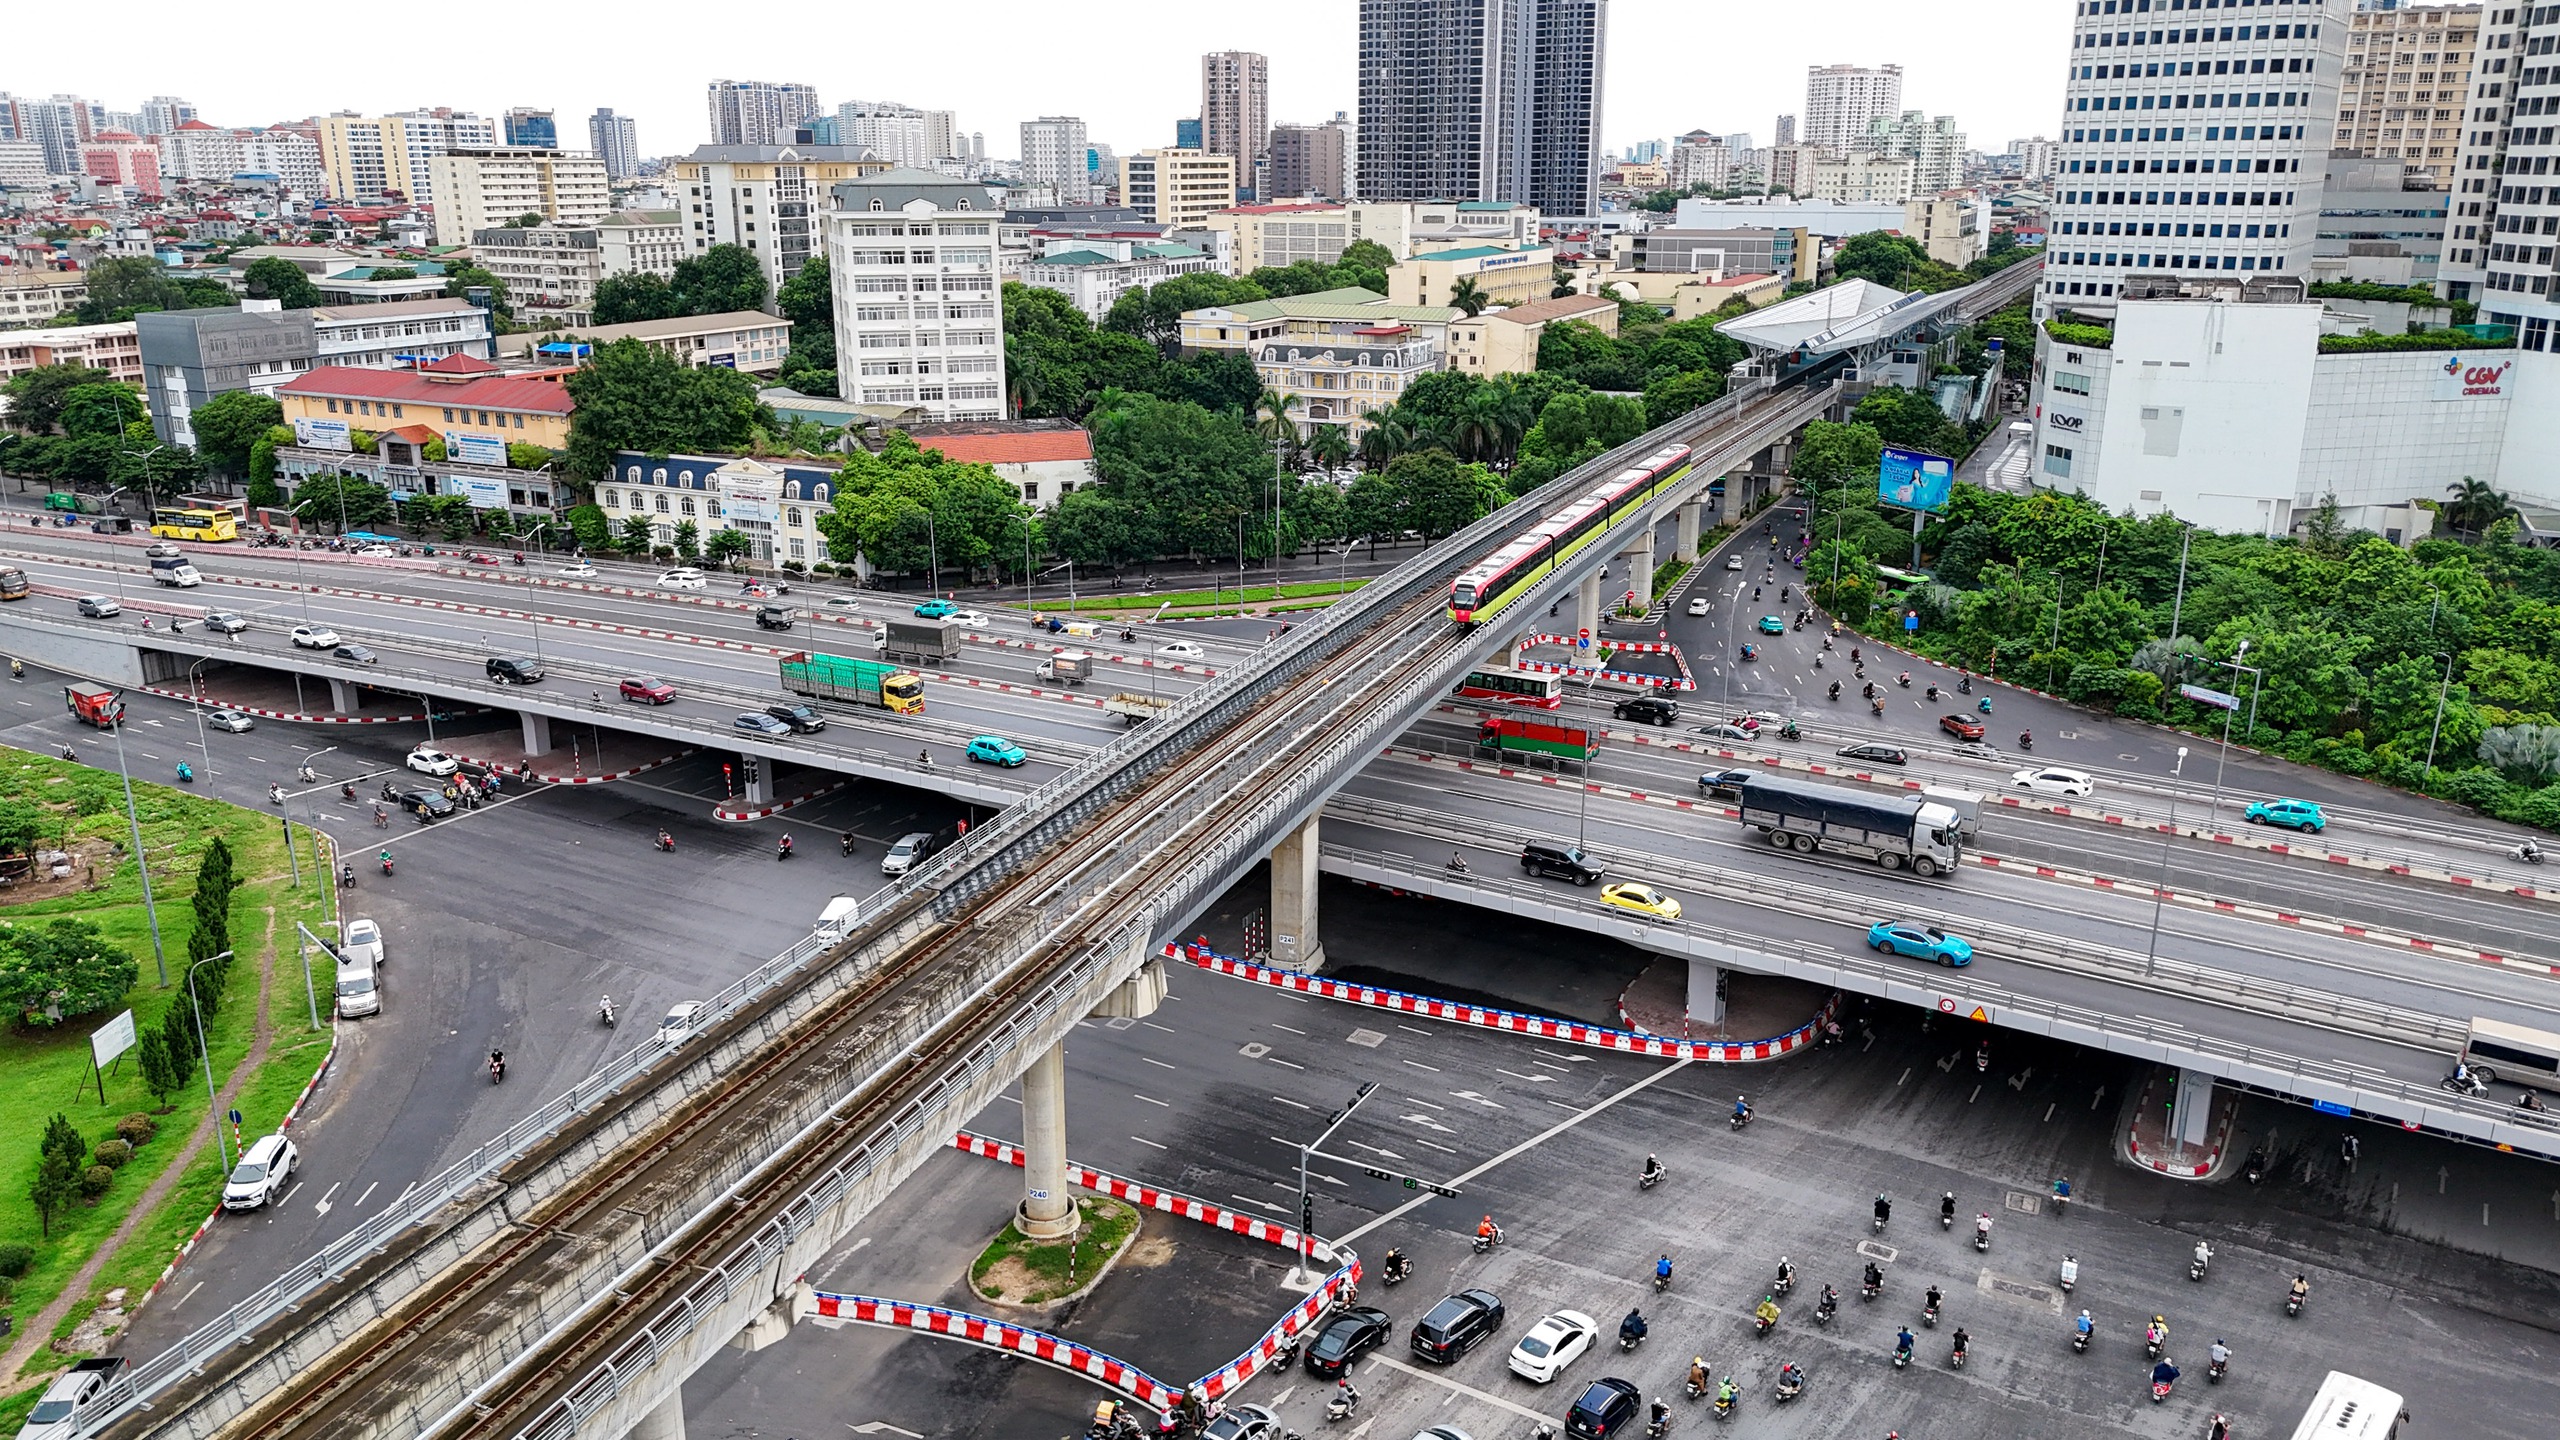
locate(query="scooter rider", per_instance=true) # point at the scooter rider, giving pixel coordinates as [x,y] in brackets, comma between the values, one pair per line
[2301,1289]
[1633,1327]
[1902,1341]
[1947,1208]
[1766,1312]
[1395,1265]
[1652,1168]
[2221,1353]
[2084,1325]
[1662,1272]
[2204,1255]
[1982,1226]
[1786,1274]
[1963,1341]
[1741,1107]
[1489,1232]
[1830,1301]
[1929,1302]
[1874,1276]
[1884,1211]
[1697,1375]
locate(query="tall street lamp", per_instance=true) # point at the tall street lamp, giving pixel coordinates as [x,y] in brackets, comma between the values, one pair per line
[2437,728]
[212,1103]
[141,859]
[2160,891]
[2213,816]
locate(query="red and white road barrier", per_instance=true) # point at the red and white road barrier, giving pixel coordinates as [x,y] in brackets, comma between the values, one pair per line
[1104,1370]
[1520,661]
[724,811]
[1485,1017]
[519,769]
[300,719]
[2180,1170]
[171,1269]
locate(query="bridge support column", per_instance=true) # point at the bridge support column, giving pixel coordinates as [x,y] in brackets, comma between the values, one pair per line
[1685,546]
[1639,558]
[345,696]
[664,1423]
[1048,1210]
[755,774]
[537,733]
[1586,606]
[1139,996]
[1294,872]
[1706,993]
[2193,1117]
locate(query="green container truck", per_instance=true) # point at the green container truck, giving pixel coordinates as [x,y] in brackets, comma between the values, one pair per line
[1510,735]
[853,682]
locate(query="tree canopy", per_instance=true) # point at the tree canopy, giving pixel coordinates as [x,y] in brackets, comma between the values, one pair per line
[807,300]
[279,279]
[633,397]
[881,503]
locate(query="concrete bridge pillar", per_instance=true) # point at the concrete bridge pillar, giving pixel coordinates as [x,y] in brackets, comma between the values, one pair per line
[755,777]
[1586,607]
[1706,993]
[537,738]
[1139,996]
[2193,1117]
[1294,941]
[1048,1210]
[1639,558]
[1689,516]
[664,1423]
[345,696]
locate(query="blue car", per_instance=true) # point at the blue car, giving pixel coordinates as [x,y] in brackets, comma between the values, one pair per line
[2291,814]
[1772,625]
[936,610]
[1920,942]
[761,724]
[995,750]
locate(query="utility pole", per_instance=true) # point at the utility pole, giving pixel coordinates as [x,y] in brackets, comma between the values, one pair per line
[1307,1202]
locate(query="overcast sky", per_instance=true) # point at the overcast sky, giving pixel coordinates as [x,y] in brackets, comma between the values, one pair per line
[1129,69]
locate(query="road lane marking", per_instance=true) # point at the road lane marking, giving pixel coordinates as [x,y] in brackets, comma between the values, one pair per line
[1418,1065]
[1276,1060]
[1460,1388]
[190,1295]
[1292,1029]
[1285,1100]
[1158,1064]
[1416,1030]
[1143,1140]
[368,1192]
[321,1206]
[1425,1104]
[1532,1079]
[1150,1024]
[1150,1099]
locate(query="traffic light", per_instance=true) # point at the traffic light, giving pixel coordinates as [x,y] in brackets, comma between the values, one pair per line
[751,769]
[728,779]
[1307,1214]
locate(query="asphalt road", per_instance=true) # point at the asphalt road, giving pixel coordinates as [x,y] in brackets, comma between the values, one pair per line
[1210,1095]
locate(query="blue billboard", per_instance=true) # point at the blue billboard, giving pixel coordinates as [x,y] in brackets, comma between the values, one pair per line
[1914,480]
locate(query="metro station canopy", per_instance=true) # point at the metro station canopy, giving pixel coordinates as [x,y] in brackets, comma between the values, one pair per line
[1853,315]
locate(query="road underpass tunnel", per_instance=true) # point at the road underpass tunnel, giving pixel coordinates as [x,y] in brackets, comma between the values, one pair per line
[1295,943]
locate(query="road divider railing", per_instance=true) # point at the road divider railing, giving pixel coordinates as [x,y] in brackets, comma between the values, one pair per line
[1509,1022]
[1963,994]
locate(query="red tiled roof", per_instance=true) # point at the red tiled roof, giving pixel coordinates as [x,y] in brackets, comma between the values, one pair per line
[195,125]
[414,434]
[1015,448]
[458,363]
[345,382]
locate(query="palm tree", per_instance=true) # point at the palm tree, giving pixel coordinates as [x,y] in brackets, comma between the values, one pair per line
[1385,440]
[1468,296]
[2475,506]
[1021,379]
[1477,427]
[1329,446]
[1512,419]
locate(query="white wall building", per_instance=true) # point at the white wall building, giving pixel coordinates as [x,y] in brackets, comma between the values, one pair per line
[1053,154]
[1935,148]
[1096,272]
[479,188]
[1829,219]
[2036,158]
[2190,148]
[199,152]
[1859,178]
[552,271]
[912,256]
[1840,101]
[290,156]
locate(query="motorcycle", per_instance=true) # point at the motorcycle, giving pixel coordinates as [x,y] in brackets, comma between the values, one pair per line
[1903,680]
[386,865]
[1901,1356]
[2254,1169]
[1725,1404]
[1982,1234]
[497,1069]
[1947,1213]
[1868,1290]
[1761,1326]
[307,775]
[1397,1270]
[1341,1405]
[1650,1178]
[1835,690]
[2195,1267]
[1661,1281]
[2292,1305]
[2070,1273]
[1983,704]
[186,773]
[1656,1429]
[2026,740]
[2079,1342]
[1982,1059]
[1955,1357]
[783,850]
[1790,1385]
[1933,692]
[2152,1339]
[1486,1242]
[1929,1315]
[2160,1390]
[2528,852]
[516,559]
[1823,1312]
[847,844]
[2470,1080]
[346,792]
[604,1012]
[346,877]
[1628,1340]
[1964,684]
[1789,731]
[1740,1119]
[1694,1388]
[2213,1371]
[1878,707]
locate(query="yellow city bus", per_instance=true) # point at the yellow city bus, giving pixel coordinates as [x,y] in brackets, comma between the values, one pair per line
[195,524]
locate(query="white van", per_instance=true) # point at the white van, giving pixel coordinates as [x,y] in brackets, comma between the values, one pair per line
[359,991]
[841,915]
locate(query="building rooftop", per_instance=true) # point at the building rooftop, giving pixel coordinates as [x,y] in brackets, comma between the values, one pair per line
[750,154]
[1005,442]
[1836,317]
[1561,307]
[659,329]
[1348,303]
[390,309]
[1476,252]
[412,387]
[1292,207]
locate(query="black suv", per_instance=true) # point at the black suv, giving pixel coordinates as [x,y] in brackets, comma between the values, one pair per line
[1724,784]
[1608,1406]
[801,719]
[514,669]
[1560,861]
[1648,709]
[1453,1326]
[417,800]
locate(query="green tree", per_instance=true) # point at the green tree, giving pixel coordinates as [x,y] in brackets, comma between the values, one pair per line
[1329,447]
[1831,453]
[228,426]
[1091,527]
[392,272]
[637,296]
[807,301]
[1676,394]
[639,536]
[632,397]
[463,279]
[530,220]
[2473,505]
[1880,256]
[722,279]
[591,527]
[881,503]
[1189,473]
[37,397]
[1468,296]
[101,410]
[1439,495]
[343,502]
[61,972]
[55,1185]
[161,1074]
[274,278]
[122,286]
[726,546]
[688,539]
[1154,313]
[22,824]
[1910,419]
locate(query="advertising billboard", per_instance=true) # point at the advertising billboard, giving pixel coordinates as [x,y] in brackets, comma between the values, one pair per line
[484,492]
[470,449]
[1914,480]
[321,434]
[2470,378]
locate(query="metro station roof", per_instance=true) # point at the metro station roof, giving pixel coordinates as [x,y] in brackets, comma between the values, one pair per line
[1835,318]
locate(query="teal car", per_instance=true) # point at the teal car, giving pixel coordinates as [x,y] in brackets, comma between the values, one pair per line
[2303,815]
[1920,942]
[995,750]
[1772,625]
[936,610]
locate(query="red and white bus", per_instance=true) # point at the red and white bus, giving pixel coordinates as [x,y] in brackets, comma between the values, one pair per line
[1502,685]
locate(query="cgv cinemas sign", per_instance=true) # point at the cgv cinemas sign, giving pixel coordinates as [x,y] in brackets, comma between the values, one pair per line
[2462,379]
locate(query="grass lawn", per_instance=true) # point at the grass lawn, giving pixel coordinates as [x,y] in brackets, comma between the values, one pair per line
[1114,600]
[1018,1271]
[47,1068]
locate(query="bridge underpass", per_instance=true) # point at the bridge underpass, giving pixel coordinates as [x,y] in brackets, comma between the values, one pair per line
[564,1280]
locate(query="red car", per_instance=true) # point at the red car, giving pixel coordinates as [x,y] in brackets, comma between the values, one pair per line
[1961,727]
[647,689]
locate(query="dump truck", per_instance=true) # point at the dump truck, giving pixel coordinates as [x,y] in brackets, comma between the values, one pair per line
[93,704]
[1134,708]
[905,639]
[1510,735]
[1892,830]
[1067,667]
[854,682]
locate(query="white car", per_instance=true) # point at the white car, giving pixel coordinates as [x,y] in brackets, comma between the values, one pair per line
[683,579]
[315,637]
[2052,780]
[678,1025]
[431,762]
[1556,1341]
[1733,562]
[261,1174]
[1182,650]
[1698,606]
[362,944]
[579,570]
[231,720]
[972,620]
[841,604]
[376,552]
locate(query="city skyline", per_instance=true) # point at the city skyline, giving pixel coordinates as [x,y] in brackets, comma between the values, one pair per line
[1153,69]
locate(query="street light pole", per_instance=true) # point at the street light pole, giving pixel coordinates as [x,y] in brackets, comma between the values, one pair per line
[1582,824]
[2437,728]
[212,1103]
[2160,891]
[141,859]
[195,688]
[2213,816]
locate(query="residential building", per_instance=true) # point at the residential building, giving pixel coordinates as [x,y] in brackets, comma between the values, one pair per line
[2036,159]
[1789,169]
[163,113]
[1785,133]
[59,125]
[1830,220]
[1504,341]
[191,356]
[464,403]
[113,348]
[912,256]
[1789,252]
[1307,162]
[1186,134]
[746,340]
[1235,110]
[1953,226]
[530,129]
[1178,188]
[1699,158]
[899,134]
[1705,297]
[616,141]
[1935,148]
[1347,382]
[771,199]
[479,188]
[2382,222]
[1096,273]
[1045,460]
[1284,234]
[1053,154]
[2401,95]
[1482,100]
[1842,101]
[123,159]
[399,334]
[380,157]
[1322,317]
[1504,276]
[551,271]
[2261,101]
[31,297]
[292,157]
[22,165]
[759,112]
[203,153]
[1024,234]
[1858,178]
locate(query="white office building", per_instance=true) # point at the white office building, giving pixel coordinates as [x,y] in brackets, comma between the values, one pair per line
[1053,154]
[912,256]
[1841,101]
[2036,158]
[2194,138]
